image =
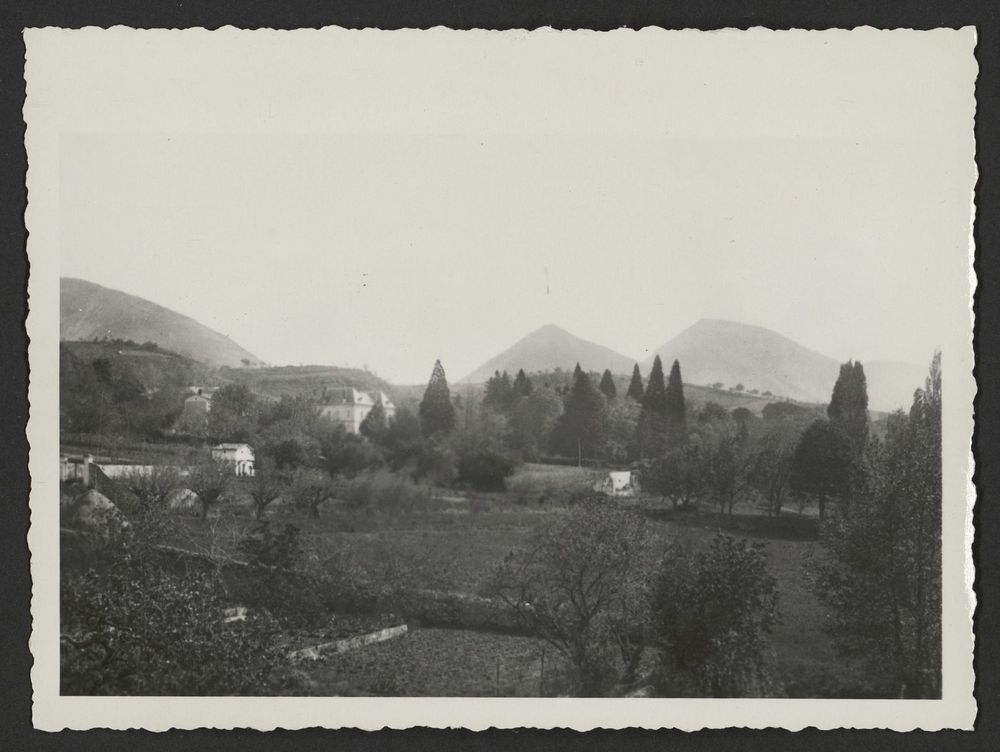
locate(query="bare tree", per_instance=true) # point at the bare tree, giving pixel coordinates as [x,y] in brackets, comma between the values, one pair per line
[209,481]
[310,488]
[151,486]
[267,485]
[581,585]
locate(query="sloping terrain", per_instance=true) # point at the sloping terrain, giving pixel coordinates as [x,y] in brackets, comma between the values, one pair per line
[88,311]
[305,381]
[549,348]
[714,351]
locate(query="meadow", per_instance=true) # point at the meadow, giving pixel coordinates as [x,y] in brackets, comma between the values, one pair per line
[453,541]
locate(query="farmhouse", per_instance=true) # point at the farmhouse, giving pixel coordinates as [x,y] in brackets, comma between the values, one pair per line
[618,483]
[239,456]
[349,407]
[75,468]
[194,417]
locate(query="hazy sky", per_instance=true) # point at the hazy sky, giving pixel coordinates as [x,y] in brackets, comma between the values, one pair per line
[360,198]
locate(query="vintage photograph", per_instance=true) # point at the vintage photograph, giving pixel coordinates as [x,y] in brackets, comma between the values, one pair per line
[631,366]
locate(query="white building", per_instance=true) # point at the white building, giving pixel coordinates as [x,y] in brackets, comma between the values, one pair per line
[239,456]
[349,407]
[618,483]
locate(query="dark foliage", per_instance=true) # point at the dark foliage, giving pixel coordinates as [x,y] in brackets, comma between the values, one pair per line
[848,408]
[653,418]
[821,466]
[485,468]
[437,413]
[607,386]
[883,578]
[675,413]
[714,612]
[522,384]
[581,430]
[635,388]
[375,425]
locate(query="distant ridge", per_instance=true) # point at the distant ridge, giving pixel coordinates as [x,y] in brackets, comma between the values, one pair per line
[548,348]
[714,350]
[89,311]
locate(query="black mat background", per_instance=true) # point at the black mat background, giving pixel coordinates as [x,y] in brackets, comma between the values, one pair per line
[15,587]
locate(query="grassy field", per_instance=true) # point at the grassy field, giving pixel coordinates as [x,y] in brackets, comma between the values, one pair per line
[440,663]
[457,542]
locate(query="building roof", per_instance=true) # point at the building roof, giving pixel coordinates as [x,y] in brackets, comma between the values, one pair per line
[232,447]
[348,395]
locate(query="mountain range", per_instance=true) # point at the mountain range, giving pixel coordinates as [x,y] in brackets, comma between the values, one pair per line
[88,311]
[548,348]
[711,351]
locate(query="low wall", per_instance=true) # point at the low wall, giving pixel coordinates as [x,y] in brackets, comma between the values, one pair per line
[314,652]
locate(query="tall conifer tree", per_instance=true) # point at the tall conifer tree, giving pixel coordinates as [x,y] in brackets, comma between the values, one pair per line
[652,419]
[437,413]
[498,392]
[607,386]
[635,389]
[581,430]
[674,410]
[848,408]
[375,424]
[522,384]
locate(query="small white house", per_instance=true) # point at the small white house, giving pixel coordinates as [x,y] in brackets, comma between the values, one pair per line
[239,456]
[618,483]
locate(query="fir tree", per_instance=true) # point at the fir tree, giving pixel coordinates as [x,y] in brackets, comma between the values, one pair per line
[607,386]
[494,397]
[437,413]
[635,390]
[501,393]
[522,384]
[676,419]
[652,419]
[375,425]
[581,430]
[848,408]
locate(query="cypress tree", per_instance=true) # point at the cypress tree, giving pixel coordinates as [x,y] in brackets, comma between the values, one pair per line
[437,414]
[652,419]
[607,386]
[635,390]
[848,408]
[676,418]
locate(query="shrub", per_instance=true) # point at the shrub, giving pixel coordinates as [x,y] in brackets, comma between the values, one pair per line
[271,546]
[434,462]
[383,491]
[133,630]
[714,611]
[485,469]
[348,454]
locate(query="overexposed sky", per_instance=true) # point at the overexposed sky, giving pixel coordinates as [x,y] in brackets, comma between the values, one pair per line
[369,198]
